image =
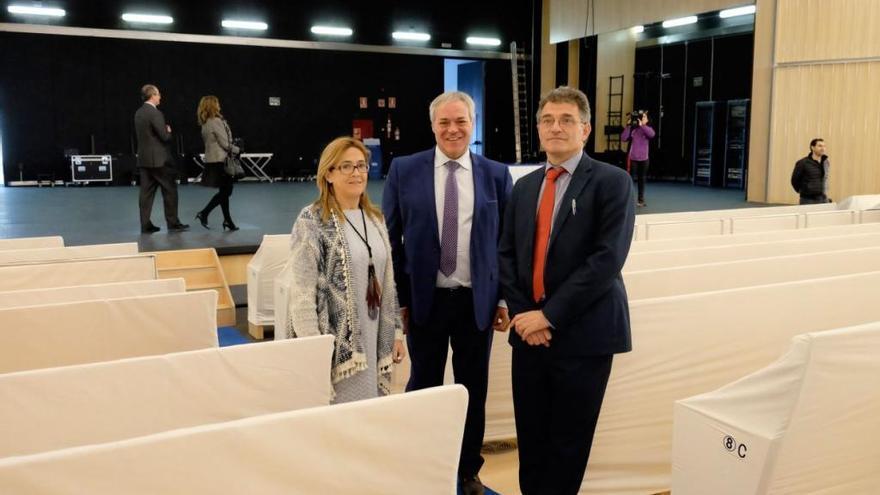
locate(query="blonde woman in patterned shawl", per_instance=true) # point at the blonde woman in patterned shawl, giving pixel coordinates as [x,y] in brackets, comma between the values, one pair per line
[343,280]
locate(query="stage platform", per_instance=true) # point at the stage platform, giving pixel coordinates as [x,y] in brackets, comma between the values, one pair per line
[97,214]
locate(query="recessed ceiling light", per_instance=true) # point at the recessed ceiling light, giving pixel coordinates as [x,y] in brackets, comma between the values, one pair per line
[638,29]
[476,40]
[147,18]
[31,10]
[748,9]
[252,25]
[332,31]
[681,21]
[410,36]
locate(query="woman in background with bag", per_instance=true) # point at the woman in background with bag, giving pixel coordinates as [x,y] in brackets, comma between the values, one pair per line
[218,148]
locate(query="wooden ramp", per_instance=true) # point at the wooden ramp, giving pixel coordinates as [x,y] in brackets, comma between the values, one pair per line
[201,270]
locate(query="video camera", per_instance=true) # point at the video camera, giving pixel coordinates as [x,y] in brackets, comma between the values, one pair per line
[636,116]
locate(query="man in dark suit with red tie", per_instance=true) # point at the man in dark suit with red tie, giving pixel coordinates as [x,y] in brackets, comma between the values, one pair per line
[566,234]
[443,209]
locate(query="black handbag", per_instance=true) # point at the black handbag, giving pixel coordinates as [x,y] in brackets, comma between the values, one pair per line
[232,165]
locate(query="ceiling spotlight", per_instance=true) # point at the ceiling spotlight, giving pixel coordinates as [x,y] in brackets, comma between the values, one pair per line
[748,9]
[332,31]
[31,10]
[410,36]
[476,40]
[252,25]
[682,21]
[147,18]
[638,29]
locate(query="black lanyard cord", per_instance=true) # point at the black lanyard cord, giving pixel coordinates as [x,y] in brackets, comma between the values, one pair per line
[364,238]
[374,291]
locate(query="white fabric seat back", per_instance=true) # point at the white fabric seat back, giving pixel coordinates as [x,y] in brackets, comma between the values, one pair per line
[57,408]
[347,449]
[63,334]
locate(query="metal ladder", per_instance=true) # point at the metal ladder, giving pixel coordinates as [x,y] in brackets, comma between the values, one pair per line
[522,131]
[614,127]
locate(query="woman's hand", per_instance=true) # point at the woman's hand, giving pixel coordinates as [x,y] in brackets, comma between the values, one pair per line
[399,351]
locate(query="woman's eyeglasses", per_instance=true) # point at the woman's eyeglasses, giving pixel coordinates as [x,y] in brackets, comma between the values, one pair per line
[348,168]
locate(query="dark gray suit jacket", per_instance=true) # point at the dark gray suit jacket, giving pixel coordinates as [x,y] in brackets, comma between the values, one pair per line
[149,125]
[589,241]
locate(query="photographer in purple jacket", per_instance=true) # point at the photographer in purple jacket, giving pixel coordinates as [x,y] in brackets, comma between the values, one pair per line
[638,132]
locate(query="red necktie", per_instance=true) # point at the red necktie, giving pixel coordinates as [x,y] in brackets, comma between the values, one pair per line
[543,225]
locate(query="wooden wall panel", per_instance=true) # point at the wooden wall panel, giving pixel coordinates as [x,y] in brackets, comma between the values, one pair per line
[762,86]
[834,102]
[574,50]
[810,30]
[548,52]
[572,19]
[616,57]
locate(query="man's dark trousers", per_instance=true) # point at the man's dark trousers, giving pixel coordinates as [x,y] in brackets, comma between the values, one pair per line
[452,324]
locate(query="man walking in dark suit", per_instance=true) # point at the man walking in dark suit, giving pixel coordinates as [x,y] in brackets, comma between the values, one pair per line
[443,209]
[566,234]
[152,160]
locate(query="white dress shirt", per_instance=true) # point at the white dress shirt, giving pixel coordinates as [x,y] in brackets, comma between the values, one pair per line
[464,178]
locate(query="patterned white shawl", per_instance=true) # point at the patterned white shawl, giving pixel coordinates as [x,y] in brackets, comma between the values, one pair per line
[322,297]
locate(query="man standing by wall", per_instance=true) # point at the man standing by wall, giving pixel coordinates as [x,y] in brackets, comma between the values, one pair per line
[810,175]
[152,160]
[443,208]
[566,234]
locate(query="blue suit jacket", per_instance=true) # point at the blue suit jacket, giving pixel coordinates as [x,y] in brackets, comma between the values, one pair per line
[585,297]
[408,203]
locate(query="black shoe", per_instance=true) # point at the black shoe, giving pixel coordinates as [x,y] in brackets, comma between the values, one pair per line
[202,217]
[149,229]
[178,228]
[471,486]
[227,224]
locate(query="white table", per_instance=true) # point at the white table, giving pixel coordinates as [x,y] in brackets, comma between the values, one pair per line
[255,162]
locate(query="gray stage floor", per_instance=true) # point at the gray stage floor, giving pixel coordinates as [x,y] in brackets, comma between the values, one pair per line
[106,214]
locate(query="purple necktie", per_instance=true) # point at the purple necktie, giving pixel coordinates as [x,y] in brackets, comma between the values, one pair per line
[449,234]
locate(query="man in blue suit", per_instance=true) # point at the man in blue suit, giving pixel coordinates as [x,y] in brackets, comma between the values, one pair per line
[443,208]
[560,273]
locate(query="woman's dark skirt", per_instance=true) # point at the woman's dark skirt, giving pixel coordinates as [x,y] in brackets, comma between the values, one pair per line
[214,175]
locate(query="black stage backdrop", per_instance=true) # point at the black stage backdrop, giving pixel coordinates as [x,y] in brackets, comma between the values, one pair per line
[684,73]
[60,92]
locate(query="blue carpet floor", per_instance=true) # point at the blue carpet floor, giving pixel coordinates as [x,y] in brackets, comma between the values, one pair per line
[231,336]
[489,491]
[97,215]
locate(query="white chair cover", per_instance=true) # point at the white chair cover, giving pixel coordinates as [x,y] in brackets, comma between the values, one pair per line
[77,272]
[401,444]
[262,270]
[57,408]
[31,242]
[805,424]
[55,295]
[34,337]
[67,253]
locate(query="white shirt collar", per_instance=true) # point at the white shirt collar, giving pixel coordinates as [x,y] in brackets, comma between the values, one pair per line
[440,159]
[151,103]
